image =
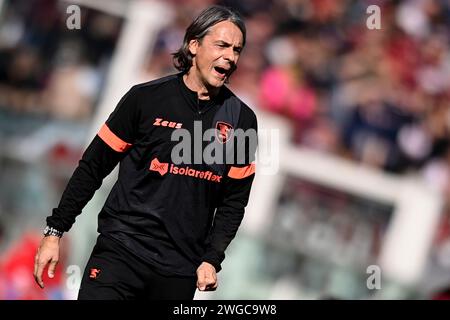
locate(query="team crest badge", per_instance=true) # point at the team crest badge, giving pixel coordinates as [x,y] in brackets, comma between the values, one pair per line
[223,131]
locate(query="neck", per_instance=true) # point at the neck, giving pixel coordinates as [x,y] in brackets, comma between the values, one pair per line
[193,82]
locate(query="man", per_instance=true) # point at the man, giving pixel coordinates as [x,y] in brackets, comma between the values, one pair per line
[166,224]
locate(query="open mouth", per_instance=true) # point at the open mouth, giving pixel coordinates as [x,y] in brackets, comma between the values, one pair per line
[221,71]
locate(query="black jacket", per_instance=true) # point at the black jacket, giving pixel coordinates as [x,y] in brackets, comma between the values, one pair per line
[174,216]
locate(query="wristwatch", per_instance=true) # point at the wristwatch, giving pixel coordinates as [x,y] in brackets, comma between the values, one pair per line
[50,231]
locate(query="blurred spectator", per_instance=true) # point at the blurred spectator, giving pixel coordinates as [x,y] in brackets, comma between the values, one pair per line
[72,86]
[17,264]
[45,68]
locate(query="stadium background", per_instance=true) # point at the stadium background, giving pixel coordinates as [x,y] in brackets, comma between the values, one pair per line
[355,171]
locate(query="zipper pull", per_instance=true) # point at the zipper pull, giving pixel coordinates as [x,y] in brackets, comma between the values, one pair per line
[198,106]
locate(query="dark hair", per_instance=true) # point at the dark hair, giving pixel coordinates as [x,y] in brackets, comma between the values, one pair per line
[182,59]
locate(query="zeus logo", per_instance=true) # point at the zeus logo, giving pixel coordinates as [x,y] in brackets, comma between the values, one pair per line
[164,123]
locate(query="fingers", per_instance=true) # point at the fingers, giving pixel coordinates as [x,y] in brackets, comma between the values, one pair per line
[39,266]
[206,277]
[48,252]
[51,268]
[211,286]
[206,281]
[36,258]
[39,269]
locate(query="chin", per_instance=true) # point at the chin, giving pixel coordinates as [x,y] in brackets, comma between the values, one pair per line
[216,83]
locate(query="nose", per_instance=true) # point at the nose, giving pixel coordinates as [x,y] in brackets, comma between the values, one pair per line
[230,55]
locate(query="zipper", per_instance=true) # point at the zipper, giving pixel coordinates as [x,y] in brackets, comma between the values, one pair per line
[199,111]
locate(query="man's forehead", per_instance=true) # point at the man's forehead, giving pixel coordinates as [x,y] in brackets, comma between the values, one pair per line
[226,31]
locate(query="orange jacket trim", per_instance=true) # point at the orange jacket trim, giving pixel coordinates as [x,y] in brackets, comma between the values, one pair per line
[241,173]
[112,140]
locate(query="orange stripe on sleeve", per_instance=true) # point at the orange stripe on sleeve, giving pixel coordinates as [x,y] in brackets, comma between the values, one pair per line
[241,173]
[112,140]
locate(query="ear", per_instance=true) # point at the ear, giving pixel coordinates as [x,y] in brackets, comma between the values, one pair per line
[193,46]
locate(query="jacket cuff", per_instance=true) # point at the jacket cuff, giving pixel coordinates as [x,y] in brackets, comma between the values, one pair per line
[55,223]
[213,259]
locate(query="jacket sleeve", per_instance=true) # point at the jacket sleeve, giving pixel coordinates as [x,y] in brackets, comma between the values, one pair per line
[236,191]
[108,147]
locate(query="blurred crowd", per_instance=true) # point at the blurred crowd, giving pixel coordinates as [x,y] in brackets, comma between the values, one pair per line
[47,69]
[378,97]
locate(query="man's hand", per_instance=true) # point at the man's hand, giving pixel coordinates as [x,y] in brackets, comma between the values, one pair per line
[206,277]
[48,252]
